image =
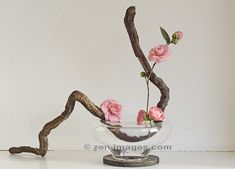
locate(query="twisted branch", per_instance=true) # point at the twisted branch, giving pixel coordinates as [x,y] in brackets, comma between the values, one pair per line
[43,140]
[92,108]
[133,35]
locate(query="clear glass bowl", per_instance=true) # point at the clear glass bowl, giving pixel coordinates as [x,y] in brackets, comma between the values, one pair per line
[129,141]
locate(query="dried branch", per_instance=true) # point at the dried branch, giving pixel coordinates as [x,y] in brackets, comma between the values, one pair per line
[95,110]
[91,107]
[43,140]
[133,35]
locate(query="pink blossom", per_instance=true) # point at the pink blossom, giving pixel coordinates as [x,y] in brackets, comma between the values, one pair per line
[159,53]
[156,114]
[112,110]
[140,117]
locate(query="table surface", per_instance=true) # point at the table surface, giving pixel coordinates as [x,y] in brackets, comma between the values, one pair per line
[93,159]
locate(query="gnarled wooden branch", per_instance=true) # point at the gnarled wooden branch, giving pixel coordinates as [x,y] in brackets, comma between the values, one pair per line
[133,35]
[92,108]
[43,140]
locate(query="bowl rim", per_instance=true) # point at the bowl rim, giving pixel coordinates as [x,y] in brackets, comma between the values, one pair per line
[132,125]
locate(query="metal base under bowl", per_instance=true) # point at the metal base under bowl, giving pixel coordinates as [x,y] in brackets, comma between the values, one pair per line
[131,161]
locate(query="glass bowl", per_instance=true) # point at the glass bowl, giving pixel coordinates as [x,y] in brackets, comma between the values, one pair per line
[130,141]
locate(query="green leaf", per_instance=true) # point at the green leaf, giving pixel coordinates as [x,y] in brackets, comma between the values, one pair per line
[165,35]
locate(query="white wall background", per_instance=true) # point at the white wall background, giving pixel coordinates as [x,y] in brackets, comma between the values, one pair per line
[50,48]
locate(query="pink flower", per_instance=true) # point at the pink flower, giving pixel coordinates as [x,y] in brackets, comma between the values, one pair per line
[140,117]
[156,114]
[159,53]
[112,110]
[177,35]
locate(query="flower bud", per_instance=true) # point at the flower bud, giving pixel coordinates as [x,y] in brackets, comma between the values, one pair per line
[174,41]
[142,74]
[177,35]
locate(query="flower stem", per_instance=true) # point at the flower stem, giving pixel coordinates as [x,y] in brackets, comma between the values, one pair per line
[147,83]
